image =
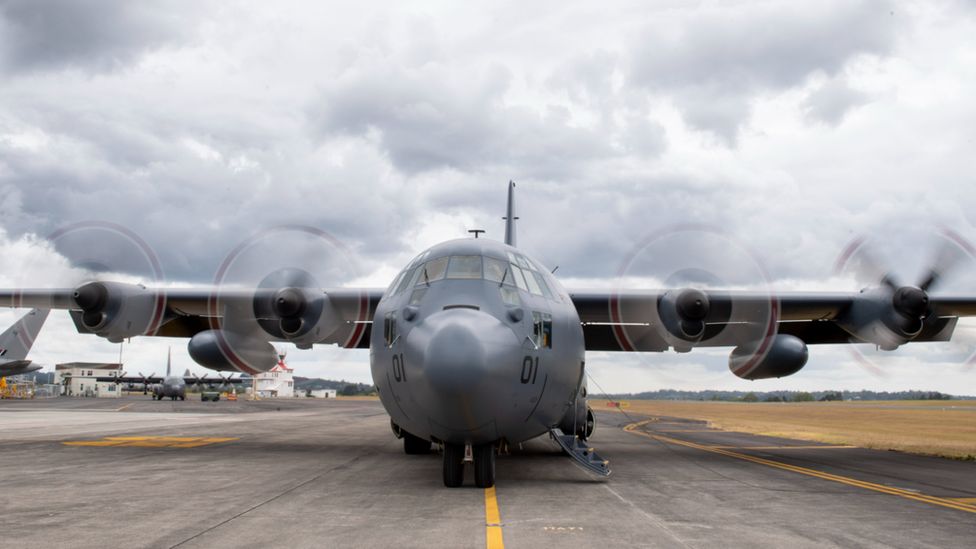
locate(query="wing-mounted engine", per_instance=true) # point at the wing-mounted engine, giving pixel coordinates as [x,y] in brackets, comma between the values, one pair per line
[227,351]
[116,310]
[682,315]
[886,316]
[777,356]
[289,305]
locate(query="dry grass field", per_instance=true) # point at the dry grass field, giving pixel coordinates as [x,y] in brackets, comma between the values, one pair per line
[941,428]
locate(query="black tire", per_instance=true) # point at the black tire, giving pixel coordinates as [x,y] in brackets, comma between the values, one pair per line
[415,445]
[453,465]
[484,465]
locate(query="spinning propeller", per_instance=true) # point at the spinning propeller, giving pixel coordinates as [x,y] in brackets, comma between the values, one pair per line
[700,265]
[888,312]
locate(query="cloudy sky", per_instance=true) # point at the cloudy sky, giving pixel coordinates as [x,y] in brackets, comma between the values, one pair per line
[787,130]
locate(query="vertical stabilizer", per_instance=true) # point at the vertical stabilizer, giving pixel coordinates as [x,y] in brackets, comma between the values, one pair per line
[510,216]
[169,359]
[16,342]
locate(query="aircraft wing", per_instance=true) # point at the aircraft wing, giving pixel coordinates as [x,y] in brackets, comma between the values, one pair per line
[118,310]
[130,379]
[189,380]
[652,320]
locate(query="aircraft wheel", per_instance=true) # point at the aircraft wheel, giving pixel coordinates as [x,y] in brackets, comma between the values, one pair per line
[453,465]
[182,398]
[484,465]
[413,445]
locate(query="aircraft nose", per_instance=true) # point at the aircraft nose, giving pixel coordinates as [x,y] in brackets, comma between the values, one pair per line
[455,361]
[461,352]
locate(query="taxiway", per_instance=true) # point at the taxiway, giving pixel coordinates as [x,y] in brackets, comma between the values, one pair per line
[134,472]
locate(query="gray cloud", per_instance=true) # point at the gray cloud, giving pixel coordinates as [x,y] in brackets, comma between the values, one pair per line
[714,64]
[393,134]
[832,101]
[101,35]
[426,119]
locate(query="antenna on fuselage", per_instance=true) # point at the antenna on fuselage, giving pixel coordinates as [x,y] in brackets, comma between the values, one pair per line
[169,359]
[476,232]
[510,217]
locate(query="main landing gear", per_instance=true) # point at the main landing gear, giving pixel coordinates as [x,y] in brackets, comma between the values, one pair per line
[483,457]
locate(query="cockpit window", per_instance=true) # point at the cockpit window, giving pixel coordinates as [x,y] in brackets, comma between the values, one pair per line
[417,296]
[519,279]
[496,271]
[395,284]
[510,296]
[519,271]
[432,270]
[532,283]
[464,266]
[541,281]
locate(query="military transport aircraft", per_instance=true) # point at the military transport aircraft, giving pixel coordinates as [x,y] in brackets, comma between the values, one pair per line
[16,342]
[476,345]
[171,386]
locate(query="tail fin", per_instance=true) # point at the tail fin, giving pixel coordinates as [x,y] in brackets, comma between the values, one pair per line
[510,217]
[16,342]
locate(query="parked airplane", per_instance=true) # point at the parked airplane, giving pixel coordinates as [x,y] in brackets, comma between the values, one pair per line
[170,386]
[16,342]
[477,344]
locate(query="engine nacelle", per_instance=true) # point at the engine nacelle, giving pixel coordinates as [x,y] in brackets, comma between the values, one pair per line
[226,351]
[579,418]
[289,305]
[777,356]
[888,318]
[116,310]
[683,315]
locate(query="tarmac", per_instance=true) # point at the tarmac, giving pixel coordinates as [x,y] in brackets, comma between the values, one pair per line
[133,472]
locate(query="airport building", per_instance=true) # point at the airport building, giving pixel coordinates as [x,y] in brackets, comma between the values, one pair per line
[79,379]
[276,382]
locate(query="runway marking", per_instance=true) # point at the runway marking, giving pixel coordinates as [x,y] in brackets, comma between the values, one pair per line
[964,500]
[151,442]
[810,447]
[653,519]
[686,431]
[119,409]
[493,521]
[943,502]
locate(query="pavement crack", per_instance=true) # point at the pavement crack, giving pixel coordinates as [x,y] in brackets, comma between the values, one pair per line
[269,500]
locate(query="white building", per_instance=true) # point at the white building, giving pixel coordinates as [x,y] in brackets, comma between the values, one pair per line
[276,382]
[81,379]
[323,393]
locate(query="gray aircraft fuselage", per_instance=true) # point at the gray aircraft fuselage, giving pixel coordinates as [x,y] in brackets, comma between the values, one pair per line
[466,350]
[172,386]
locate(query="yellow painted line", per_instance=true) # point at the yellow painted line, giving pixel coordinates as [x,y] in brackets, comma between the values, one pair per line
[943,502]
[810,447]
[119,409]
[151,442]
[686,431]
[493,521]
[964,500]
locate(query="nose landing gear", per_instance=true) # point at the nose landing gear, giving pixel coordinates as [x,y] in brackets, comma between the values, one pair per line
[483,458]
